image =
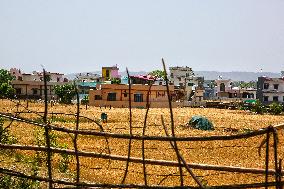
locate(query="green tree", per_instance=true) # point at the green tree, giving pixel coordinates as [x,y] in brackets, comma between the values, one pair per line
[6,89]
[158,73]
[115,81]
[65,93]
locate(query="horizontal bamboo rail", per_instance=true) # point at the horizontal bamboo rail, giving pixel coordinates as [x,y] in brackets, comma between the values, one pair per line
[140,160]
[138,137]
[82,184]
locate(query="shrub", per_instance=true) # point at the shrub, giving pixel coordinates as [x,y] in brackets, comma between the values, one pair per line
[275,108]
[85,100]
[5,136]
[7,182]
[258,108]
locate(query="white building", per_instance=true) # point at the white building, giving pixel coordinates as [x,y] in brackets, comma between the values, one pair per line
[270,89]
[31,85]
[88,77]
[37,76]
[183,78]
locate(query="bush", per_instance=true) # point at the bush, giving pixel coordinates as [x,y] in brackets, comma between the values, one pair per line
[258,108]
[85,100]
[5,136]
[275,108]
[9,182]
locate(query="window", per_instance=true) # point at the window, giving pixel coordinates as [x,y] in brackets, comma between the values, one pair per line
[265,85]
[98,97]
[34,91]
[265,98]
[275,98]
[187,74]
[190,84]
[160,83]
[111,97]
[18,91]
[179,78]
[222,87]
[124,93]
[138,97]
[172,75]
[107,73]
[276,86]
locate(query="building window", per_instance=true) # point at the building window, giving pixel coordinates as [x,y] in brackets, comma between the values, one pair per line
[124,93]
[98,97]
[172,75]
[138,97]
[179,78]
[18,91]
[34,91]
[190,84]
[111,97]
[275,98]
[265,98]
[187,74]
[222,87]
[265,85]
[107,73]
[276,86]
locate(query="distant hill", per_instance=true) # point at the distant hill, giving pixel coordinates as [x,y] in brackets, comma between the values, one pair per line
[208,75]
[235,76]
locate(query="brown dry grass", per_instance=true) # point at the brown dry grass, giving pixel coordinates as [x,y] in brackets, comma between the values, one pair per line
[235,153]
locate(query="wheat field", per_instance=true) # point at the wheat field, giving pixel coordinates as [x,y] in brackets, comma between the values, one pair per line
[243,152]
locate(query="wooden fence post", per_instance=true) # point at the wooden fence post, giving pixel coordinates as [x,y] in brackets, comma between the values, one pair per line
[267,158]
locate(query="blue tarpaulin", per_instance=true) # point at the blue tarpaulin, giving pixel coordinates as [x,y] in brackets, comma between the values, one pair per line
[200,122]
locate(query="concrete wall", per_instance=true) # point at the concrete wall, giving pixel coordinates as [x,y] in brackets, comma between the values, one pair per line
[158,95]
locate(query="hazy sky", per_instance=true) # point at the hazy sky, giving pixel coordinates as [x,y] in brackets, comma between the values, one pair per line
[79,36]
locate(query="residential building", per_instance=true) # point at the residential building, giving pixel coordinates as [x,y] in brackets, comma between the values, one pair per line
[142,79]
[88,77]
[180,75]
[117,95]
[184,80]
[85,82]
[225,90]
[31,86]
[270,90]
[34,89]
[109,73]
[209,89]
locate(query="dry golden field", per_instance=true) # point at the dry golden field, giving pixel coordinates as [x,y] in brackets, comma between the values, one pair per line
[243,152]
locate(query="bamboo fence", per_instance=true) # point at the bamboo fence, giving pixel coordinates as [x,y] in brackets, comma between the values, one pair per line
[181,163]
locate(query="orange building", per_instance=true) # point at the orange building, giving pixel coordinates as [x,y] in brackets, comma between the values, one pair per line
[117,95]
